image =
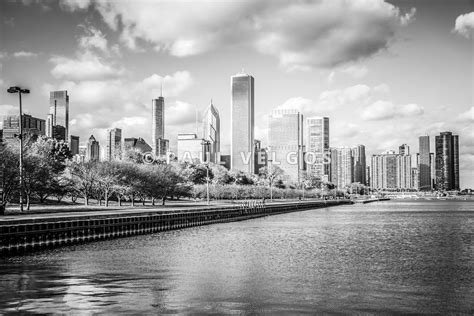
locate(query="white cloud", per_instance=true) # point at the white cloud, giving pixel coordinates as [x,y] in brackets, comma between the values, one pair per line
[179,112]
[173,84]
[301,34]
[467,116]
[383,110]
[87,66]
[7,109]
[23,54]
[94,38]
[465,24]
[72,5]
[354,71]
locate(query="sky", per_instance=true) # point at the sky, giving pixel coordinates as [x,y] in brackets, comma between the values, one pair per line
[384,72]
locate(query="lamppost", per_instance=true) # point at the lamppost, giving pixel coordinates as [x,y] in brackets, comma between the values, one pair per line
[20,136]
[205,144]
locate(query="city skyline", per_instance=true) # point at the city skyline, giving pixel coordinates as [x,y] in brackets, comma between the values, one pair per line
[367,97]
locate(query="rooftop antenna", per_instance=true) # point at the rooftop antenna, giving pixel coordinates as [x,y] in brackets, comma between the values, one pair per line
[161,88]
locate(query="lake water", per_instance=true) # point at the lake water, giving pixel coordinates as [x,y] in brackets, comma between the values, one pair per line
[393,257]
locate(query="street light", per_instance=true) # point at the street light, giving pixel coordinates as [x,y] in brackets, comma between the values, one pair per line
[206,143]
[20,136]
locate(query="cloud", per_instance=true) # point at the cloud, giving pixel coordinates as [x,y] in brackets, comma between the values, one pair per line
[73,5]
[7,109]
[353,71]
[23,54]
[86,67]
[465,24]
[383,110]
[467,116]
[94,39]
[179,112]
[300,34]
[173,84]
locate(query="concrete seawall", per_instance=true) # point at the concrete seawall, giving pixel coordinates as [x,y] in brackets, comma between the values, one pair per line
[30,233]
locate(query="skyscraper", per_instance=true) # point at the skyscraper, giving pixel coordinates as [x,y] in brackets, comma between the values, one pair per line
[404,149]
[158,124]
[317,146]
[358,153]
[93,149]
[447,161]
[342,167]
[211,132]
[242,123]
[74,145]
[424,169]
[58,114]
[285,140]
[384,171]
[114,144]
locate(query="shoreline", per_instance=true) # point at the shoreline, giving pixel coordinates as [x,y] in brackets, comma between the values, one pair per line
[23,234]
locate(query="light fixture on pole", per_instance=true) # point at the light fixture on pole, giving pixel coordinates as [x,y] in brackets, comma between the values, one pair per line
[20,91]
[205,145]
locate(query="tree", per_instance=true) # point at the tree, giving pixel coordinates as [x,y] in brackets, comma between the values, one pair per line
[8,175]
[108,175]
[84,178]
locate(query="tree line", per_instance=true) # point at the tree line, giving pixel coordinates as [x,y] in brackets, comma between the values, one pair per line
[50,172]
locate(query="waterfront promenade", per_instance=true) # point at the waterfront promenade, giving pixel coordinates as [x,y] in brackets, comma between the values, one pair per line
[27,232]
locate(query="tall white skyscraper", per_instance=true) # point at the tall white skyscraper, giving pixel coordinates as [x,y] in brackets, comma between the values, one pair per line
[242,123]
[211,132]
[285,140]
[158,125]
[317,144]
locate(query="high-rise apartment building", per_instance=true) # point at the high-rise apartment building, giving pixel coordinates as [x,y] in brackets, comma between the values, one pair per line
[242,123]
[342,167]
[285,140]
[211,132]
[93,149]
[404,172]
[114,144]
[384,171]
[447,161]
[58,115]
[317,145]
[424,168]
[404,150]
[358,153]
[158,125]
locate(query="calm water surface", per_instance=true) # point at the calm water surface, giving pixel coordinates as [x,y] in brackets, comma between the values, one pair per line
[394,257]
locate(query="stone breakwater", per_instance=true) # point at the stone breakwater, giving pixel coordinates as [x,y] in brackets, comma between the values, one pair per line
[34,232]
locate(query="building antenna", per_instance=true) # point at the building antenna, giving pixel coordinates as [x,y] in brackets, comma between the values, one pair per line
[161,88]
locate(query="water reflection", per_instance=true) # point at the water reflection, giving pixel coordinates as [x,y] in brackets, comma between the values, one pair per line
[394,257]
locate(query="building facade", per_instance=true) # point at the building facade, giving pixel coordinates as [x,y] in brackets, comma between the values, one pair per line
[114,144]
[58,115]
[317,145]
[384,171]
[424,168]
[342,167]
[360,164]
[32,126]
[74,145]
[191,148]
[447,161]
[93,149]
[212,132]
[242,123]
[285,142]
[158,125]
[138,144]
